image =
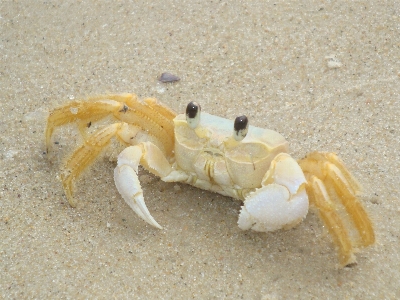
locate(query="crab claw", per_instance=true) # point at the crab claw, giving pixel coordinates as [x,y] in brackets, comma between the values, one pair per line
[128,185]
[126,178]
[281,202]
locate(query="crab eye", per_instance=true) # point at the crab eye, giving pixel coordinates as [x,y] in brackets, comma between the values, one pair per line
[193,110]
[241,127]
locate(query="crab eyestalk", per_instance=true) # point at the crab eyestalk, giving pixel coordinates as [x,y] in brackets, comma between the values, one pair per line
[240,128]
[193,110]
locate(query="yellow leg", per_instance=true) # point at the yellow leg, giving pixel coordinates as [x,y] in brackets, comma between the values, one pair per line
[78,111]
[353,207]
[150,104]
[84,156]
[330,187]
[152,117]
[320,199]
[141,121]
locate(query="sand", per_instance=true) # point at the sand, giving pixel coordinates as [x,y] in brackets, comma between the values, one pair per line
[326,75]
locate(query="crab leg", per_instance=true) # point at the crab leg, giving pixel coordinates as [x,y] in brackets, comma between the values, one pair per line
[149,115]
[90,150]
[126,178]
[330,186]
[82,112]
[353,206]
[84,156]
[319,197]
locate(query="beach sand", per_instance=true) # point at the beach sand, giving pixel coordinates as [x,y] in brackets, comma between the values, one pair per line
[326,75]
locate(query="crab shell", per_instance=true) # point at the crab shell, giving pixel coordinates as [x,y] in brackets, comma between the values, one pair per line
[218,160]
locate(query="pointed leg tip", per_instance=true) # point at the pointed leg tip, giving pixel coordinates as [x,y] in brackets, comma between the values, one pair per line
[348,261]
[72,202]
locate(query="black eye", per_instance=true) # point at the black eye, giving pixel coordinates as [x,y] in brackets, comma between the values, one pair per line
[193,110]
[241,127]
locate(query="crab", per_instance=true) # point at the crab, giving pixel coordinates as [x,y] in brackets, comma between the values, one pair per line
[231,158]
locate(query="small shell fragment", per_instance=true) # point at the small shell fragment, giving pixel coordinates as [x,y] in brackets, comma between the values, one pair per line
[333,62]
[168,77]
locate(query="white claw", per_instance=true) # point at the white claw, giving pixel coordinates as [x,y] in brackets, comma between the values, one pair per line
[272,207]
[281,202]
[128,185]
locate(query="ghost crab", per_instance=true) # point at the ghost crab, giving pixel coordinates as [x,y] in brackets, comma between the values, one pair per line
[244,162]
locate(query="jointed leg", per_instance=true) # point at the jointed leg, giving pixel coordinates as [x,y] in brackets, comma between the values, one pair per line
[330,186]
[151,116]
[84,156]
[353,207]
[319,197]
[125,175]
[143,122]
[82,112]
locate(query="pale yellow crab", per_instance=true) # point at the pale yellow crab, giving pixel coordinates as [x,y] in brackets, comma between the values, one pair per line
[244,162]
